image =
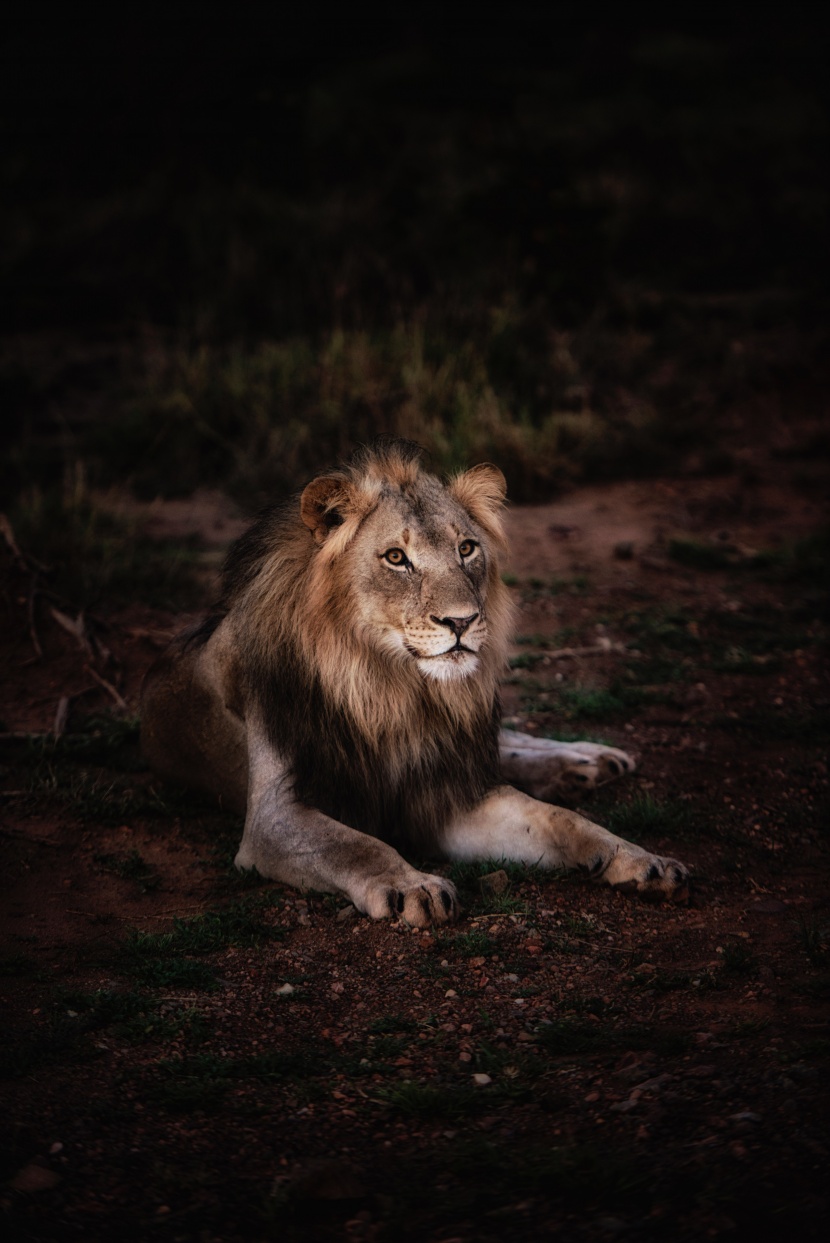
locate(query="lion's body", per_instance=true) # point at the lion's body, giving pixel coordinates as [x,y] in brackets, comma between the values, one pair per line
[346,691]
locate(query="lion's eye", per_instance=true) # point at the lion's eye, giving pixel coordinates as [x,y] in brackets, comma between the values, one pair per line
[396,557]
[466,548]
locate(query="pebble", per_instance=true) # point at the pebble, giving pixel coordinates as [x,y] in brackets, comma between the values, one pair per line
[481,1081]
[285,990]
[34,1177]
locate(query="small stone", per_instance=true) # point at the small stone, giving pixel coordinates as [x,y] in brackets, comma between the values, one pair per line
[345,912]
[481,1081]
[494,883]
[34,1177]
[450,993]
[465,1057]
[285,990]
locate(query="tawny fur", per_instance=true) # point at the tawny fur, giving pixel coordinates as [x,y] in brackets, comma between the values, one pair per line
[345,693]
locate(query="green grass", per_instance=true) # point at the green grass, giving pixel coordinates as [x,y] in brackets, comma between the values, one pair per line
[93,553]
[590,704]
[168,959]
[442,1102]
[814,937]
[388,1023]
[201,1081]
[474,944]
[643,818]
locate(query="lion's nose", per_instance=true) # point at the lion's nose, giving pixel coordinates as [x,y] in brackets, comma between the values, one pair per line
[456,624]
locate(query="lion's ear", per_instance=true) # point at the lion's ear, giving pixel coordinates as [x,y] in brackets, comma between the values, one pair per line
[481,490]
[322,503]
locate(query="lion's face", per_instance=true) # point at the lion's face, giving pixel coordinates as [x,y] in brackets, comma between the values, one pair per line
[413,561]
[420,574]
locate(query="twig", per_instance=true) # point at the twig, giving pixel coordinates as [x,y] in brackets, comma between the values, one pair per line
[30,614]
[118,699]
[596,649]
[24,559]
[61,716]
[74,626]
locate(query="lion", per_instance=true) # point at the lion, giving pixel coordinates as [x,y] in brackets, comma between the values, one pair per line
[344,696]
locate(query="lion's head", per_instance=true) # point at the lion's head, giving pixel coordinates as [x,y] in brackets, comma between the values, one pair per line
[373,622]
[415,559]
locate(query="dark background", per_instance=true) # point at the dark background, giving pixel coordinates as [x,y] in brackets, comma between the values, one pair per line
[228,239]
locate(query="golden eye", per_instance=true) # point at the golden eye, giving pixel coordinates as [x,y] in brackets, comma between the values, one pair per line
[466,548]
[395,556]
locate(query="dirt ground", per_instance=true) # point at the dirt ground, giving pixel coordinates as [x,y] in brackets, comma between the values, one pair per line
[193,1056]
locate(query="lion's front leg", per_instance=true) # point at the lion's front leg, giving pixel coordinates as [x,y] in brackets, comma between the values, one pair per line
[300,846]
[548,770]
[512,826]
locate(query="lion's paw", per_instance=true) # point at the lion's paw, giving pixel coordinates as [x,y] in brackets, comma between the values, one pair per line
[649,876]
[420,900]
[552,771]
[608,762]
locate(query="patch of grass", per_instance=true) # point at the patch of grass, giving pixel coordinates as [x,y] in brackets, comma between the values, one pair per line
[101,739]
[467,876]
[384,1047]
[814,937]
[387,1023]
[526,660]
[657,670]
[474,944]
[434,1101]
[478,901]
[590,704]
[652,630]
[103,1007]
[202,1081]
[643,817]
[94,553]
[154,1027]
[162,959]
[130,867]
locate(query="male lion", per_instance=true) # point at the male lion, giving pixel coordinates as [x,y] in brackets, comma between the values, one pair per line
[345,695]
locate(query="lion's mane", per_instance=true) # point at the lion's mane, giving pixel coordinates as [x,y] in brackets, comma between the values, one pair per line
[368,740]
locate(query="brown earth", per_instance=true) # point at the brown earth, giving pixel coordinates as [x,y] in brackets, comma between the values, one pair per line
[567,1062]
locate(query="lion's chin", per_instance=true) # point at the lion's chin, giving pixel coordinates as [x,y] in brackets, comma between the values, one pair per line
[449,667]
